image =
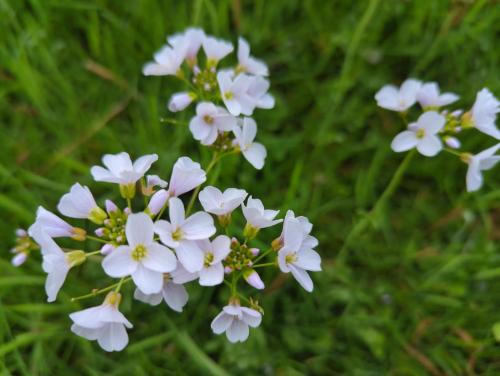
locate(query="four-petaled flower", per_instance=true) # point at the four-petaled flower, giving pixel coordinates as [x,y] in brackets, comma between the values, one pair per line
[254,152]
[218,203]
[120,169]
[257,216]
[484,113]
[186,176]
[429,96]
[235,320]
[247,63]
[210,120]
[212,272]
[482,161]
[398,99]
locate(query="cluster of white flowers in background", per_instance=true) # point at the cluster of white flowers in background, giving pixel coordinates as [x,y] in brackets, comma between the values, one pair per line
[225,97]
[155,241]
[437,129]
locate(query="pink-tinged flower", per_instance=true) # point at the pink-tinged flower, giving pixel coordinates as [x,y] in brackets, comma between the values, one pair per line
[143,258]
[189,41]
[180,231]
[216,49]
[257,216]
[80,203]
[398,99]
[235,320]
[209,121]
[158,201]
[186,176]
[179,101]
[218,203]
[484,113]
[254,152]
[429,96]
[167,61]
[309,241]
[296,256]
[119,168]
[253,279]
[212,272]
[247,63]
[483,161]
[422,135]
[54,226]
[104,324]
[234,92]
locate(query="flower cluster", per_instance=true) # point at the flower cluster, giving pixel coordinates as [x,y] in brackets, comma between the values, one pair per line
[160,253]
[437,129]
[225,97]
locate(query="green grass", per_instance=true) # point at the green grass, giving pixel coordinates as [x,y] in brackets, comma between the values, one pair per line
[416,292]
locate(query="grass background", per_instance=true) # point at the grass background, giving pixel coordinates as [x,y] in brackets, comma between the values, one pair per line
[417,292]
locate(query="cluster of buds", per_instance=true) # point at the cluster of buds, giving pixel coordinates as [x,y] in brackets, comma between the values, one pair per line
[437,129]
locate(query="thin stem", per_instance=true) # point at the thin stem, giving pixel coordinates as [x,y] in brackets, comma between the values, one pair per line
[451,151]
[101,291]
[213,162]
[262,255]
[264,265]
[119,285]
[129,204]
[96,239]
[93,253]
[388,192]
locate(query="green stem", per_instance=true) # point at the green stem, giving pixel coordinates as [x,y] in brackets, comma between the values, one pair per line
[101,291]
[454,152]
[379,204]
[213,162]
[96,239]
[129,204]
[93,253]
[262,255]
[264,265]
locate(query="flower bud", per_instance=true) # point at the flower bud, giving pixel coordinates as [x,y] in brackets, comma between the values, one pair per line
[19,259]
[20,233]
[180,101]
[452,142]
[228,270]
[255,251]
[158,201]
[99,232]
[107,249]
[75,258]
[97,215]
[253,279]
[277,244]
[127,211]
[110,206]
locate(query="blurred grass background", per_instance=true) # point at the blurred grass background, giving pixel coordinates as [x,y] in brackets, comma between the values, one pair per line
[418,291]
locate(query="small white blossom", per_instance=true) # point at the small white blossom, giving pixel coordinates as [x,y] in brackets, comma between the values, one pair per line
[212,272]
[209,121]
[422,135]
[179,232]
[218,203]
[52,225]
[166,62]
[190,41]
[247,63]
[80,203]
[143,258]
[429,96]
[216,49]
[179,101]
[482,161]
[235,320]
[484,113]
[234,92]
[186,176]
[296,256]
[119,168]
[398,99]
[258,91]
[104,323]
[254,152]
[257,216]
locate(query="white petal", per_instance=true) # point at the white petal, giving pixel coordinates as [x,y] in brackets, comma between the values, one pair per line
[175,296]
[302,278]
[164,229]
[293,234]
[87,318]
[255,154]
[113,337]
[101,174]
[404,141]
[159,258]
[176,212]
[190,256]
[309,260]
[474,178]
[430,146]
[143,164]
[119,263]
[54,282]
[431,121]
[152,299]
[212,275]
[139,229]
[221,247]
[237,331]
[221,322]
[87,333]
[251,317]
[148,281]
[200,225]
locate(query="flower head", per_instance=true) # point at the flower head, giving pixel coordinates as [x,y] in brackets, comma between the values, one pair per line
[247,63]
[216,49]
[212,272]
[189,41]
[484,113]
[398,99]
[234,92]
[186,175]
[119,168]
[143,258]
[258,91]
[104,323]
[429,96]
[54,226]
[80,203]
[257,216]
[209,121]
[235,320]
[179,101]
[167,61]
[254,152]
[482,161]
[422,135]
[218,203]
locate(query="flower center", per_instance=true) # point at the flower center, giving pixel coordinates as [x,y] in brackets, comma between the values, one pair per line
[208,119]
[228,95]
[177,234]
[139,252]
[209,257]
[291,258]
[421,133]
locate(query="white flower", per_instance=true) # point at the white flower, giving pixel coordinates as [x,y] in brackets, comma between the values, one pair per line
[309,241]
[216,49]
[179,101]
[190,41]
[257,90]
[247,63]
[218,203]
[53,226]
[56,263]
[254,152]
[143,258]
[212,272]
[167,61]
[180,230]
[483,161]
[235,320]
[104,323]
[484,113]
[422,135]
[120,169]
[429,96]
[174,295]
[158,201]
[79,203]
[186,175]
[392,98]
[257,216]
[296,256]
[235,94]
[153,181]
[209,121]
